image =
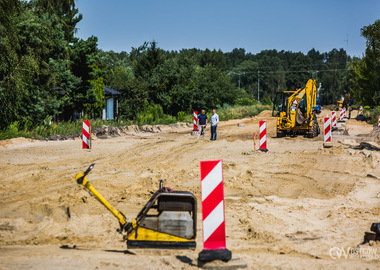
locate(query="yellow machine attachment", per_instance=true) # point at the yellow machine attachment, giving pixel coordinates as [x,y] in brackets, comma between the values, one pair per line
[168,219]
[345,103]
[296,111]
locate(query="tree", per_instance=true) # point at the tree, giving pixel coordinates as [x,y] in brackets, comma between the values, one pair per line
[134,92]
[84,66]
[364,77]
[65,10]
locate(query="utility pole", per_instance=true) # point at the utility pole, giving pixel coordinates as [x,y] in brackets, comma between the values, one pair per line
[240,73]
[258,86]
[346,40]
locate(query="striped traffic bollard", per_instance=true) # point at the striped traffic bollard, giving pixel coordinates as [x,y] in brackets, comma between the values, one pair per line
[344,112]
[195,123]
[334,126]
[214,233]
[86,138]
[263,136]
[378,122]
[360,110]
[341,115]
[327,128]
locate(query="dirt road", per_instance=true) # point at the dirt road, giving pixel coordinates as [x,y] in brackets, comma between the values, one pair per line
[285,209]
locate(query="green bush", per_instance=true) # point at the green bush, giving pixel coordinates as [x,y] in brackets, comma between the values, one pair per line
[374,115]
[266,101]
[245,101]
[154,115]
[241,112]
[181,116]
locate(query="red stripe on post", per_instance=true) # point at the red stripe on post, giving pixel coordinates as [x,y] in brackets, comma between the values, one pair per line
[217,239]
[207,166]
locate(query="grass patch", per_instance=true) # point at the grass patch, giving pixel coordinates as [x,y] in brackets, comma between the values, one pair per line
[241,111]
[152,116]
[372,114]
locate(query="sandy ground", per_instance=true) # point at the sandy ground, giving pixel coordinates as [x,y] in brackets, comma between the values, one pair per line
[285,209]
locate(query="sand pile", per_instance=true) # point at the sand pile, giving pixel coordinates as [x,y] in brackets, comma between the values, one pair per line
[284,209]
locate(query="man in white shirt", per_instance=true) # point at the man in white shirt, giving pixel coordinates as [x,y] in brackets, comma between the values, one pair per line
[214,124]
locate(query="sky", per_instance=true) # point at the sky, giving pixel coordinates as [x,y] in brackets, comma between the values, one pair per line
[252,25]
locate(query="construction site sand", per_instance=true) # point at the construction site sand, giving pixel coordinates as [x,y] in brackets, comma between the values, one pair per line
[284,209]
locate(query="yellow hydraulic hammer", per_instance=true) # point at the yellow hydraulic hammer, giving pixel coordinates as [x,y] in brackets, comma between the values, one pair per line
[168,219]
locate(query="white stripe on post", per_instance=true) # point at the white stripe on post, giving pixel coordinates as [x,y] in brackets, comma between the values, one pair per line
[86,128]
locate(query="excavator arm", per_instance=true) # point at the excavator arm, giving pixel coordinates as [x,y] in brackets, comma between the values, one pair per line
[294,102]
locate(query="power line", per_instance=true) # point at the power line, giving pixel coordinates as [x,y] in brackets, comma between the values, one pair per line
[298,66]
[288,71]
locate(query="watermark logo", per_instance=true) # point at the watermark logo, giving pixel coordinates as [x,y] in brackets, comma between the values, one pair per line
[341,253]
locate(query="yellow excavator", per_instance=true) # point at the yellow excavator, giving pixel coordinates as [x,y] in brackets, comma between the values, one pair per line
[346,103]
[296,111]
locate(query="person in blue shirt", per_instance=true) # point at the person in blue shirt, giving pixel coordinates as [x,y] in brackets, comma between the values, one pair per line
[214,124]
[202,123]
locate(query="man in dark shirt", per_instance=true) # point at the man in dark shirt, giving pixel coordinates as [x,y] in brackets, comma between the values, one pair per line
[202,123]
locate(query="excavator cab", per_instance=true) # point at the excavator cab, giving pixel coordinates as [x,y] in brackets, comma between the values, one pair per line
[280,102]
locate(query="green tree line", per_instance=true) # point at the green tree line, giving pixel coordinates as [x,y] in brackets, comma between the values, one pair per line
[45,70]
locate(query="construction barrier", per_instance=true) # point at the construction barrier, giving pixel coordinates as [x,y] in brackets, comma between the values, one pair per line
[378,123]
[213,219]
[86,137]
[195,123]
[263,136]
[327,129]
[342,114]
[360,110]
[334,126]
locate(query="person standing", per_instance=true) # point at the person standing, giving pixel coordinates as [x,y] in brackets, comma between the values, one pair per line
[202,123]
[214,124]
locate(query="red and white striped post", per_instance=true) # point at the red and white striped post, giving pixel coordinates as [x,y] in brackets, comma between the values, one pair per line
[263,136]
[378,122]
[360,110]
[327,128]
[86,138]
[341,115]
[195,123]
[333,113]
[214,233]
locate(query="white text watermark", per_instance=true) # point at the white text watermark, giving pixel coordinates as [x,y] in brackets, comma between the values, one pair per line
[341,253]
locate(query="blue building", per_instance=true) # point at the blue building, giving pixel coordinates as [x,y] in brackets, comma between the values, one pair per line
[111,111]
